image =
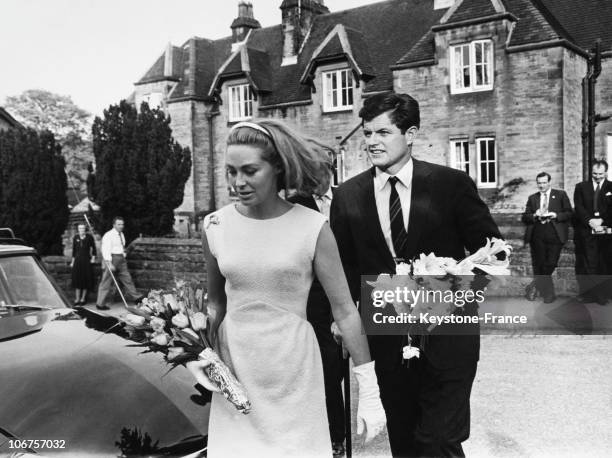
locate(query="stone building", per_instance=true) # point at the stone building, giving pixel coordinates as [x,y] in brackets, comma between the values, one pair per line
[499,83]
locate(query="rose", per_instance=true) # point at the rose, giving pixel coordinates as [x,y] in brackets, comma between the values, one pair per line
[158,324]
[134,320]
[180,320]
[161,339]
[173,352]
[198,321]
[146,309]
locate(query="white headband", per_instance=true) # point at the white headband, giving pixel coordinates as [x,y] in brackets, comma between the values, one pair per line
[252,125]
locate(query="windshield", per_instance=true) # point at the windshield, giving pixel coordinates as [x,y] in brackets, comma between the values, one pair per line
[23,282]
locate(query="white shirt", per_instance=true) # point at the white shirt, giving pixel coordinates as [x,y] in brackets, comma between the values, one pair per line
[382,193]
[547,194]
[113,242]
[324,202]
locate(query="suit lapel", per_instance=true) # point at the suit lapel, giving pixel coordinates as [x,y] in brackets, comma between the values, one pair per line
[370,216]
[419,207]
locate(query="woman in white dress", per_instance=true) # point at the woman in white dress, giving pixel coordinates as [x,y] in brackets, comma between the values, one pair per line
[261,256]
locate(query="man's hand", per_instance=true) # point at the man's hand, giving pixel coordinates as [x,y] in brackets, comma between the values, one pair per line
[72,263]
[551,215]
[110,266]
[337,335]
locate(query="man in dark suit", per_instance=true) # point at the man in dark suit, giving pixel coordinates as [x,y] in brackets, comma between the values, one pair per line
[593,203]
[400,208]
[318,313]
[547,216]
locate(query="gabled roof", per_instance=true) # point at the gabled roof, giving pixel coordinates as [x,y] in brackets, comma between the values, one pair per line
[377,35]
[546,22]
[9,119]
[247,62]
[342,43]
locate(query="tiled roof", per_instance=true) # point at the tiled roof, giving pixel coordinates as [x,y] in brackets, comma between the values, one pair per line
[156,72]
[379,35]
[584,20]
[8,118]
[471,9]
[537,21]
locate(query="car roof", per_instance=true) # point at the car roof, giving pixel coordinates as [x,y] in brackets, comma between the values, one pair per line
[15,249]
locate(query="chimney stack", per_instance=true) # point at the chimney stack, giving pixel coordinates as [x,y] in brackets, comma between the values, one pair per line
[168,60]
[244,22]
[298,16]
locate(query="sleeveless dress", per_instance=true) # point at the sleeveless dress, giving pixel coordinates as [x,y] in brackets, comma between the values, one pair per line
[265,338]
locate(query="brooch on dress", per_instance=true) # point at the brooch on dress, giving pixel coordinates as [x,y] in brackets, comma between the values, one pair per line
[213,219]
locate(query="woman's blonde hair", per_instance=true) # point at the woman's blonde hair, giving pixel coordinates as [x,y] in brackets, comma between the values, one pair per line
[305,163]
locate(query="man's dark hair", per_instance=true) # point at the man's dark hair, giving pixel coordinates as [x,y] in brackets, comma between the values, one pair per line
[118,218]
[404,110]
[600,163]
[543,174]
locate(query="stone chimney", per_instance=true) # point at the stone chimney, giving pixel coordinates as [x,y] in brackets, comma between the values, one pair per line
[244,22]
[168,60]
[298,16]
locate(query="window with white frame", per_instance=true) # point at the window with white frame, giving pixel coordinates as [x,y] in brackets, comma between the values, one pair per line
[460,155]
[337,90]
[240,102]
[486,162]
[471,67]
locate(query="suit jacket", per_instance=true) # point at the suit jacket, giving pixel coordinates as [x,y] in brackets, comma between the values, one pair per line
[446,217]
[583,201]
[558,203]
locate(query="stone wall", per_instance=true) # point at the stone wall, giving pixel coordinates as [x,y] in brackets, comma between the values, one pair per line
[159,262]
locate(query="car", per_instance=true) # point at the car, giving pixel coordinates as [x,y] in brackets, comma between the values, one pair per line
[71,384]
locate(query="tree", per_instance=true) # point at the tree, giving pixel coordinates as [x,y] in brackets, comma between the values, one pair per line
[33,188]
[71,125]
[141,170]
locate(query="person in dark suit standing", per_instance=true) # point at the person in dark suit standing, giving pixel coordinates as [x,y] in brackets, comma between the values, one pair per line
[593,203]
[398,209]
[318,313]
[547,216]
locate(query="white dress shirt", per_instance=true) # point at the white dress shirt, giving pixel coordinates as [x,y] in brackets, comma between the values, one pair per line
[324,202]
[113,242]
[382,193]
[542,201]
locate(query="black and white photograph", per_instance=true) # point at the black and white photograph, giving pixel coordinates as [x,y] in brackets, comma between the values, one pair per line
[306,228]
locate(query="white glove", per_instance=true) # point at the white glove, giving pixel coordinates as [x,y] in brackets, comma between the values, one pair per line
[197,370]
[370,412]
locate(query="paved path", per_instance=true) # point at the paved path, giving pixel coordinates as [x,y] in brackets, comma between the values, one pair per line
[535,395]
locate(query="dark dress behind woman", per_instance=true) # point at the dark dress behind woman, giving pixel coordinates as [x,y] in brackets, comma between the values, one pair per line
[82,271]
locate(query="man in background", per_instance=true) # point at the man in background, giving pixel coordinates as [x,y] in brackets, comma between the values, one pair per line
[547,216]
[593,202]
[114,263]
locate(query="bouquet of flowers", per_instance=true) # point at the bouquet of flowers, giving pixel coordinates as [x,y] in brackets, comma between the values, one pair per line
[174,323]
[452,280]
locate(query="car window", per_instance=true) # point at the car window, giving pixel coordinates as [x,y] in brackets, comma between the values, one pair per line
[23,282]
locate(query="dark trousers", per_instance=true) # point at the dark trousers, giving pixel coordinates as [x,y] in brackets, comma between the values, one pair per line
[545,252]
[332,375]
[123,277]
[594,266]
[428,409]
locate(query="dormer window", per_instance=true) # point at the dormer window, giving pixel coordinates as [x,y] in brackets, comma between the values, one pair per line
[337,90]
[240,102]
[471,67]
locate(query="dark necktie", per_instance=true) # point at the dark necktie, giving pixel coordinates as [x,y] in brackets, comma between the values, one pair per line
[398,232]
[596,198]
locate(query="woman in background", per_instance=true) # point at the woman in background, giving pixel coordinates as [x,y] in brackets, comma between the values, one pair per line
[83,257]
